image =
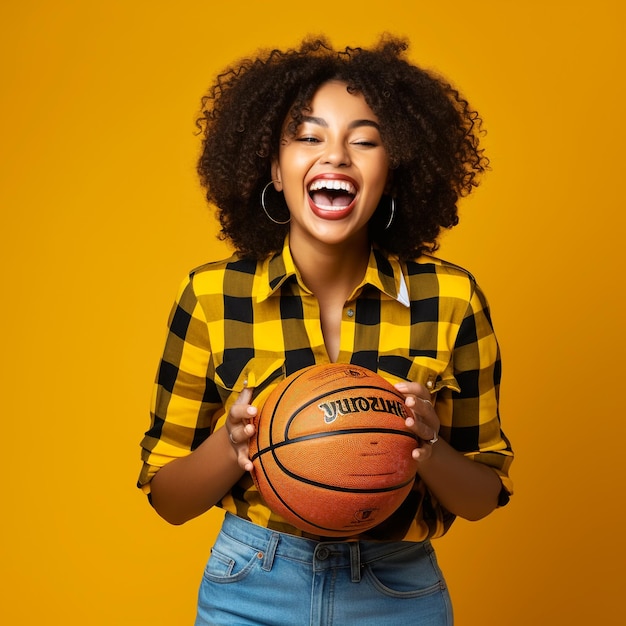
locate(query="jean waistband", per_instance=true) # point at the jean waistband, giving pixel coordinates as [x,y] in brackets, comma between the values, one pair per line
[321,554]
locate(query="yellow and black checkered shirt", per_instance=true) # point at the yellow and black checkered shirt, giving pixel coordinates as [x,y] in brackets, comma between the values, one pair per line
[240,322]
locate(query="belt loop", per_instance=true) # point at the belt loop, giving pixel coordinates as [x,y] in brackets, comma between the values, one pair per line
[355,561]
[270,552]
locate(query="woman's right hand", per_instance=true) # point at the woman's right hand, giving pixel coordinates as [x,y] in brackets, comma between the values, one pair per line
[190,485]
[240,427]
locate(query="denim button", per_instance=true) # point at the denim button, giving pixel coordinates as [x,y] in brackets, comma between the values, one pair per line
[322,553]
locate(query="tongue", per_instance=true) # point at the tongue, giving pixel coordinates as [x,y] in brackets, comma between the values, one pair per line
[330,198]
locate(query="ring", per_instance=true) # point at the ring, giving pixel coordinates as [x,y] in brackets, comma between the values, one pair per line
[426,401]
[230,436]
[435,439]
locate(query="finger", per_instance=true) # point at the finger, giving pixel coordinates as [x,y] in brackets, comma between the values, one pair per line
[239,440]
[423,453]
[244,461]
[242,412]
[425,432]
[420,406]
[414,394]
[424,405]
[425,424]
[241,434]
[245,397]
[423,419]
[414,389]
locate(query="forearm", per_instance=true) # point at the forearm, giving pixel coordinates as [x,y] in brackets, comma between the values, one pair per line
[189,486]
[464,487]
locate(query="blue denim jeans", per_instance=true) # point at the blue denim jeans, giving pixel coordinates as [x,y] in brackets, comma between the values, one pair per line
[257,576]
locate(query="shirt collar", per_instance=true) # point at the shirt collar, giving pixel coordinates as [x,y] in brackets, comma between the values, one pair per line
[383,272]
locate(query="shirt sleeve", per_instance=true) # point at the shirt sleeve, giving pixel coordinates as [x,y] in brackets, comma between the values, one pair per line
[470,419]
[185,402]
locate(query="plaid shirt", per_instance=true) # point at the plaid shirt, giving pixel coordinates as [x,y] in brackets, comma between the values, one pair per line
[238,322]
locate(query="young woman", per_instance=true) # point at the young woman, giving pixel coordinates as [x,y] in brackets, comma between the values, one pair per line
[333,173]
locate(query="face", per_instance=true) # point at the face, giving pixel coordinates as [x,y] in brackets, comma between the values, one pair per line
[334,170]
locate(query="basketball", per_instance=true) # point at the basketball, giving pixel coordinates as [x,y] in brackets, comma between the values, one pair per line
[331,452]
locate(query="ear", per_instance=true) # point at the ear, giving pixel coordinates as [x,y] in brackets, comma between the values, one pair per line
[276,176]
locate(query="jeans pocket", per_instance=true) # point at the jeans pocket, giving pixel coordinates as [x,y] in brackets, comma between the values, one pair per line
[231,560]
[408,572]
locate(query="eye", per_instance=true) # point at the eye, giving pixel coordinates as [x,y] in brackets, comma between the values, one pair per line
[308,139]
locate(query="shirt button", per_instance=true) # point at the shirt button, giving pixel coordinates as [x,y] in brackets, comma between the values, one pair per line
[350,312]
[322,553]
[429,384]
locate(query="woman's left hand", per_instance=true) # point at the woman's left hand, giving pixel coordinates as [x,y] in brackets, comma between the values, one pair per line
[424,421]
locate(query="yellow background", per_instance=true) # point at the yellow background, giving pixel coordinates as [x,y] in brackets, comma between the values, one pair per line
[102,216]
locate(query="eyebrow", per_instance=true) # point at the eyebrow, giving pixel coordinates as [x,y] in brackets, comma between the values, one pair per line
[320,121]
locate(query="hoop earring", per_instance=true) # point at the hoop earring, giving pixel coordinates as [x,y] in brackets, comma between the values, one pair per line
[393,213]
[269,217]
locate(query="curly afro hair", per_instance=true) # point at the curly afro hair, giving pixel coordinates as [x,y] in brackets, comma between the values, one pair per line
[430,132]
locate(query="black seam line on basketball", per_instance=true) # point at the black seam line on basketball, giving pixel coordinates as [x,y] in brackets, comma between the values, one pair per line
[346,388]
[334,433]
[353,388]
[282,393]
[337,488]
[349,529]
[294,512]
[324,395]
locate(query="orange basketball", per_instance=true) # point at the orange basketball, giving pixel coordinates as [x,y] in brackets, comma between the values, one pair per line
[332,454]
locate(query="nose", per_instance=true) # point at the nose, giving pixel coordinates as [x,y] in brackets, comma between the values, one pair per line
[335,153]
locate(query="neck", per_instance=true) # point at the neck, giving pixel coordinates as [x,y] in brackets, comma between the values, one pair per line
[332,271]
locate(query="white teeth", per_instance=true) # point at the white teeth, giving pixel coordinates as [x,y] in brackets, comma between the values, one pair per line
[334,185]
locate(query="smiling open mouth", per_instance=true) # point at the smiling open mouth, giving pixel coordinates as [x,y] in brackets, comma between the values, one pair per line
[332,194]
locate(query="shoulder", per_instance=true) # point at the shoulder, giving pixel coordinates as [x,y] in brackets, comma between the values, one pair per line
[213,276]
[233,263]
[427,264]
[444,277]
